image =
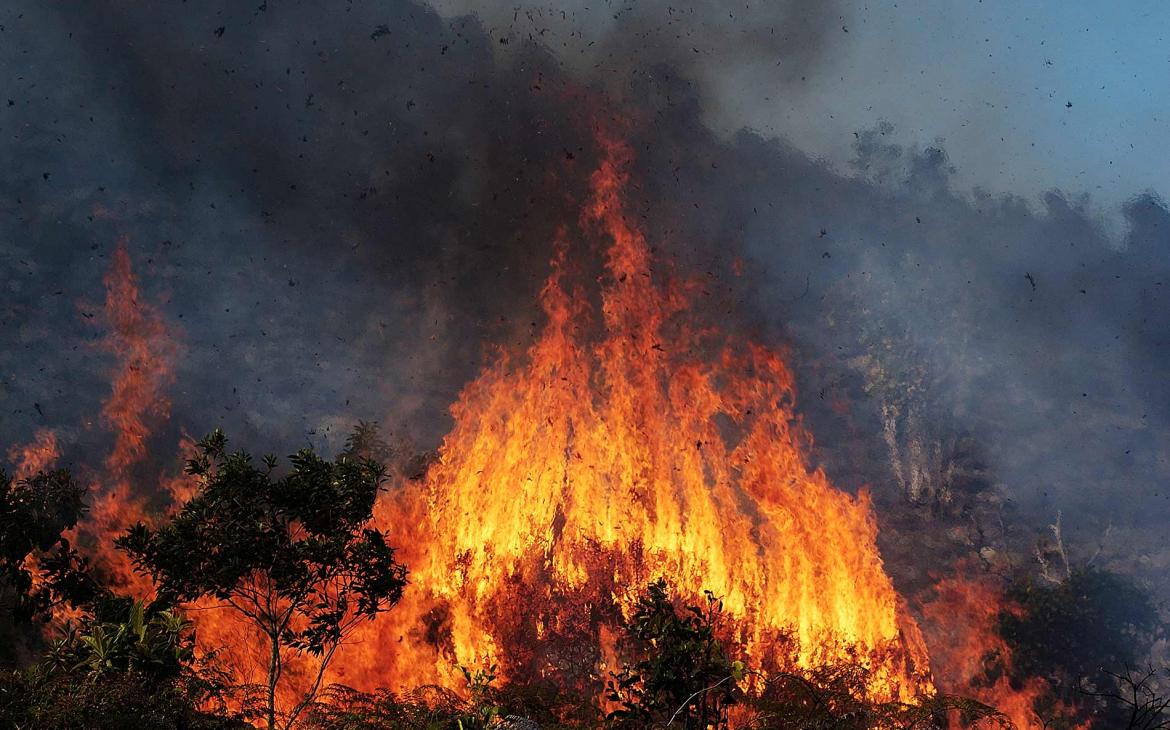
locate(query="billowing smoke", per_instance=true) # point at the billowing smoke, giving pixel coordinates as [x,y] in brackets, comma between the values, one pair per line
[338,206]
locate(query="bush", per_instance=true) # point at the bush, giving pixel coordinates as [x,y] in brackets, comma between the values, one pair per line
[834,697]
[680,671]
[1080,634]
[139,672]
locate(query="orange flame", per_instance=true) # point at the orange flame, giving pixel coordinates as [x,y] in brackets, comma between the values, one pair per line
[144,353]
[36,456]
[969,657]
[613,455]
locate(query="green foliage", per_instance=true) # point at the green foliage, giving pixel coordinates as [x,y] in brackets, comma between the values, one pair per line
[482,708]
[139,672]
[680,671]
[293,554]
[156,647]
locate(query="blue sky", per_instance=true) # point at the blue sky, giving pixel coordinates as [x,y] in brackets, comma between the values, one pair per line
[993,79]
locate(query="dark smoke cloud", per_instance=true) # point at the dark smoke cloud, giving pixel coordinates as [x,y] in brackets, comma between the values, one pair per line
[740,57]
[338,205]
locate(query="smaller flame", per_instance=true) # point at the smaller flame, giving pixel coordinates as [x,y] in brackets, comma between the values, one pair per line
[36,456]
[960,627]
[145,353]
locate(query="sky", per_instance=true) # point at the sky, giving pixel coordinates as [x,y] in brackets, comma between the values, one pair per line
[1026,96]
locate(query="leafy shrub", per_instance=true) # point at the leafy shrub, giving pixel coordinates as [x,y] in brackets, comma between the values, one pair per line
[138,673]
[680,671]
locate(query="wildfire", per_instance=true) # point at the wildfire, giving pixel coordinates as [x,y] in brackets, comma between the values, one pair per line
[36,456]
[614,454]
[628,443]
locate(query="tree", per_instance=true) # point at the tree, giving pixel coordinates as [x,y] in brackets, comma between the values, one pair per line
[680,671]
[1073,631]
[34,512]
[294,555]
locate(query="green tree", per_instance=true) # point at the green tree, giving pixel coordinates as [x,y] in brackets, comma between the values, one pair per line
[292,554]
[680,671]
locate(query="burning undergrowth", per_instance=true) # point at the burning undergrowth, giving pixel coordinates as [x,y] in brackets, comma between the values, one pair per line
[633,440]
[595,464]
[338,246]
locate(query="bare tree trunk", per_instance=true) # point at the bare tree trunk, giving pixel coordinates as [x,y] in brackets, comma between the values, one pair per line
[273,676]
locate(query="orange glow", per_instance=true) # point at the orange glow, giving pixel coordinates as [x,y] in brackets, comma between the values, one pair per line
[960,629]
[37,456]
[616,452]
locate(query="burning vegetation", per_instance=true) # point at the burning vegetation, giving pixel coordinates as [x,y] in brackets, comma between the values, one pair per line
[622,528]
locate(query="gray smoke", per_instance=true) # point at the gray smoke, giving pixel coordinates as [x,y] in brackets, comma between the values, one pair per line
[340,205]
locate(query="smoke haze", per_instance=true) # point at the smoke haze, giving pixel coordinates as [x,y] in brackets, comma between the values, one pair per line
[338,208]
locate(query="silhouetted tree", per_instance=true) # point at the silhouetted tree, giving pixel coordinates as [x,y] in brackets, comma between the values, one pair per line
[293,554]
[1069,631]
[34,513]
[1136,698]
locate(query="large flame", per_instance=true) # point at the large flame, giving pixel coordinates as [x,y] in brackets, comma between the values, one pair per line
[628,443]
[614,454]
